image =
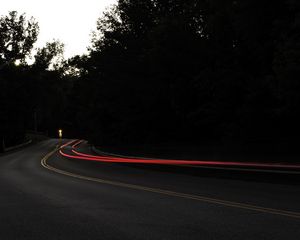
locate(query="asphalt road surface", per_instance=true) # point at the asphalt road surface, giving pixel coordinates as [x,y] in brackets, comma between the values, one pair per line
[54,197]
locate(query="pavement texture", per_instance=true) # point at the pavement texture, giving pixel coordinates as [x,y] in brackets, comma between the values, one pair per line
[38,203]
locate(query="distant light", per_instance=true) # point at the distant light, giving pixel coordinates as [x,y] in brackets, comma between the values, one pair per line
[60,133]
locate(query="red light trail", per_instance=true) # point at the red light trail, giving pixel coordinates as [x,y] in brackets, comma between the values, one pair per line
[111,159]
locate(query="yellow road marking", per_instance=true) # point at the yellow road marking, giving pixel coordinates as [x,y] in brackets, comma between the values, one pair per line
[170,193]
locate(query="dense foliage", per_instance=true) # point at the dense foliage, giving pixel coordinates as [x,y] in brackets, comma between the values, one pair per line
[192,71]
[165,71]
[31,96]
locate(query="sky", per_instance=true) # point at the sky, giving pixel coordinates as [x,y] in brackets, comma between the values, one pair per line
[70,21]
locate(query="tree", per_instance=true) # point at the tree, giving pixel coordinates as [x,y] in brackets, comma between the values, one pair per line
[17,36]
[49,56]
[214,71]
[287,73]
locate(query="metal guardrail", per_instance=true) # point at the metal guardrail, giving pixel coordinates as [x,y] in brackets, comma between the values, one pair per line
[18,146]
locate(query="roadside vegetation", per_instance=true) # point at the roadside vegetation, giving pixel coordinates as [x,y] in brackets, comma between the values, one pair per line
[32,96]
[201,73]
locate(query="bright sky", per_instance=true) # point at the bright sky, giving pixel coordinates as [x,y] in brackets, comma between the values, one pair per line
[70,21]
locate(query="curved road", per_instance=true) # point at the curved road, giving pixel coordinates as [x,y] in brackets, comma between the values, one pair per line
[73,199]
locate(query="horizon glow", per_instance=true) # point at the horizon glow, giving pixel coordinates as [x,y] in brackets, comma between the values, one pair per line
[70,22]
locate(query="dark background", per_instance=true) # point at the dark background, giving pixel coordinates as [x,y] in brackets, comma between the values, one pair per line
[218,76]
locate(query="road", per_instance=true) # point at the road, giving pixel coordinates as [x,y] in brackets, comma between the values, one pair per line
[72,199]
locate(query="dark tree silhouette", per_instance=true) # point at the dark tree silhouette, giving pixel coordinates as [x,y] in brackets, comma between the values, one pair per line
[45,56]
[32,96]
[214,74]
[17,36]
[191,72]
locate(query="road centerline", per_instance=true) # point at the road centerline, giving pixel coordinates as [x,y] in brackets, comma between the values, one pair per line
[199,198]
